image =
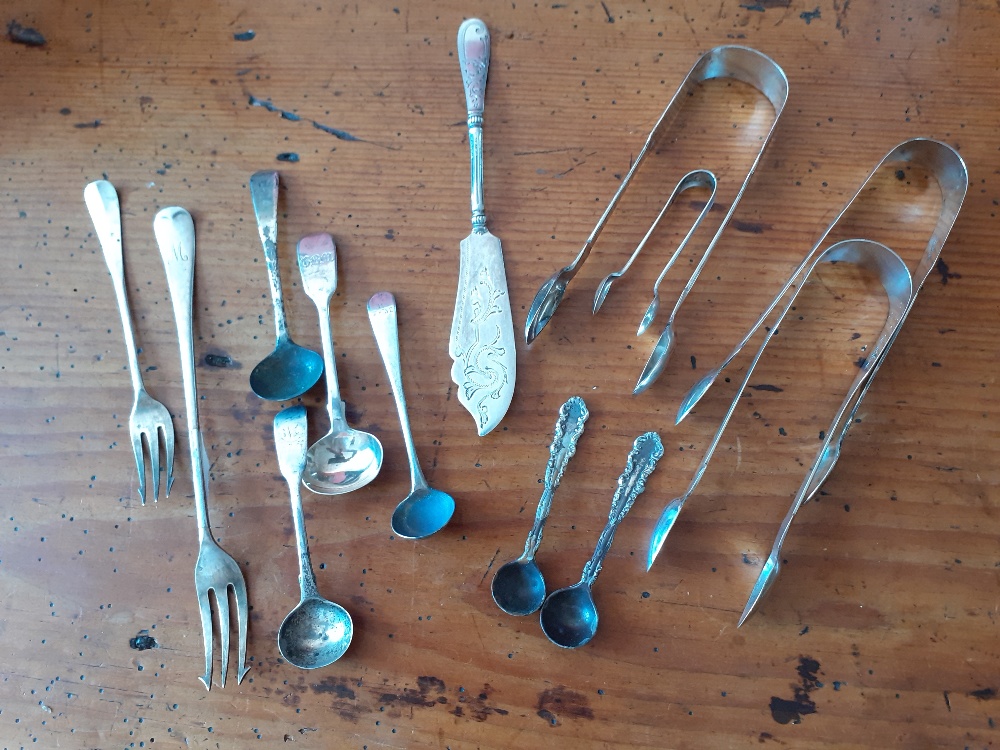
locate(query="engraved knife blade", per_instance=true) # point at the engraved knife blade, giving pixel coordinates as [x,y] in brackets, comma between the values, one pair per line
[482,330]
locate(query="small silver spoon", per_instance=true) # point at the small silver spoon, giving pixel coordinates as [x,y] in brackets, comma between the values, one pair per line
[290,370]
[569,615]
[316,632]
[344,459]
[518,586]
[425,510]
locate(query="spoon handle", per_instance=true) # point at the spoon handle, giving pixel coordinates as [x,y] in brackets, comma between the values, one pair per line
[569,426]
[290,441]
[317,259]
[646,451]
[174,232]
[382,315]
[264,194]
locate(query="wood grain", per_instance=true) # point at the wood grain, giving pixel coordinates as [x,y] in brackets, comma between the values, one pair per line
[881,631]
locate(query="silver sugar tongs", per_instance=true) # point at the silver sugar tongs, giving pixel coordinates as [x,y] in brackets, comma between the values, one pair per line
[896,281]
[729,61]
[952,176]
[697,178]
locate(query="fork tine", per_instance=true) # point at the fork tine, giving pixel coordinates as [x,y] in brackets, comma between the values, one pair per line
[222,605]
[168,441]
[136,436]
[205,609]
[153,443]
[242,614]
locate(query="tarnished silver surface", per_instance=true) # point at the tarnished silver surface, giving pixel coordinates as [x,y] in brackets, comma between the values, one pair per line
[317,631]
[518,586]
[289,370]
[740,63]
[482,330]
[569,615]
[215,571]
[149,420]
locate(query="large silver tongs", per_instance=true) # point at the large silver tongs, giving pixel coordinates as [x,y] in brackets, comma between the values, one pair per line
[949,171]
[740,63]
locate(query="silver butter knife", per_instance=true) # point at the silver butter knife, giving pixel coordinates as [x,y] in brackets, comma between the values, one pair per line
[482,331]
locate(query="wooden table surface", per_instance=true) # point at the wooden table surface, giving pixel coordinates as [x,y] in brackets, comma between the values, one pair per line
[881,631]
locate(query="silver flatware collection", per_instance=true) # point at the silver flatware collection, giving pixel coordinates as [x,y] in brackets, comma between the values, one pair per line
[482,347]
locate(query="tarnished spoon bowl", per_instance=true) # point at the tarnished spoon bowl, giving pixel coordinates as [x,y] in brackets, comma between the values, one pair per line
[315,634]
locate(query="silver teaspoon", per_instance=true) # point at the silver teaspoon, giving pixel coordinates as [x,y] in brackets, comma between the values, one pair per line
[518,586]
[425,510]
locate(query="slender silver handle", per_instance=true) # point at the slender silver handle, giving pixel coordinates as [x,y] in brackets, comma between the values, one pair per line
[382,314]
[569,426]
[102,203]
[174,231]
[264,194]
[317,259]
[290,442]
[474,59]
[646,451]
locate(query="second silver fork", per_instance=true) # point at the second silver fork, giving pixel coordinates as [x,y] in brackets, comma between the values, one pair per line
[215,571]
[149,419]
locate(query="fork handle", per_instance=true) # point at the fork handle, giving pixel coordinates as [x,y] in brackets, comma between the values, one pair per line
[174,231]
[105,211]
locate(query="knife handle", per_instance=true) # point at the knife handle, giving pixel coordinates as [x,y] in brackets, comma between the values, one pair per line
[474,60]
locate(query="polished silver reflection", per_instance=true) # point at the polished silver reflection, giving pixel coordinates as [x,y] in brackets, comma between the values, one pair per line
[344,459]
[316,632]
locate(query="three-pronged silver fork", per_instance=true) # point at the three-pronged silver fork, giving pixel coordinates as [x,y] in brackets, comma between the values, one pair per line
[149,419]
[215,571]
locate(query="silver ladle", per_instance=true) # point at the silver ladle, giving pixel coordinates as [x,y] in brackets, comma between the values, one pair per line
[344,459]
[316,632]
[425,510]
[290,370]
[518,586]
[569,615]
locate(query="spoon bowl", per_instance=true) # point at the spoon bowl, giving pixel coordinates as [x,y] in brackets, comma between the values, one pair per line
[569,616]
[341,461]
[315,634]
[519,587]
[423,512]
[287,372]
[344,459]
[657,359]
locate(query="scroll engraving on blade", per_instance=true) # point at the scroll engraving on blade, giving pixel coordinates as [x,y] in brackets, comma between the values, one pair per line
[482,330]
[483,354]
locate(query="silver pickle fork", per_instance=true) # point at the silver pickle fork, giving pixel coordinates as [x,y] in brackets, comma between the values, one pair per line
[215,571]
[149,418]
